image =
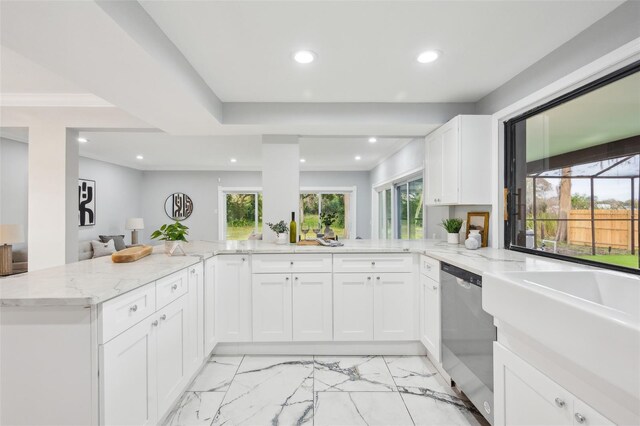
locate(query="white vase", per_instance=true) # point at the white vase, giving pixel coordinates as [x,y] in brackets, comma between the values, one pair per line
[474,233]
[282,239]
[453,238]
[173,248]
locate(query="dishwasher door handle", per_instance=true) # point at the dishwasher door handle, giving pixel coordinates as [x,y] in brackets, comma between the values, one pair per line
[464,284]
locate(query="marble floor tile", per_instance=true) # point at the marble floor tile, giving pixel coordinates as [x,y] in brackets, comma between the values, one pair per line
[360,408]
[429,407]
[352,374]
[217,374]
[269,390]
[195,408]
[416,372]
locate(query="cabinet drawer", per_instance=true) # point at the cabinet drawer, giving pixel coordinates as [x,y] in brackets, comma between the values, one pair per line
[171,287]
[430,267]
[372,263]
[123,312]
[286,263]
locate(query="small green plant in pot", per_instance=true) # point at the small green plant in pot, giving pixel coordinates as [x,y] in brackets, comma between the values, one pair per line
[452,226]
[173,235]
[281,230]
[327,218]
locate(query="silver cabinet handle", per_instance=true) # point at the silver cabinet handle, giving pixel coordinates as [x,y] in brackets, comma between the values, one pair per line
[435,287]
[174,287]
[155,323]
[560,403]
[428,266]
[133,308]
[580,418]
[163,317]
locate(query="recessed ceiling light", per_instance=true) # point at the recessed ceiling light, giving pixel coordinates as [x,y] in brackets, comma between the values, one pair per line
[304,56]
[139,157]
[83,140]
[302,160]
[358,157]
[233,160]
[428,56]
[373,140]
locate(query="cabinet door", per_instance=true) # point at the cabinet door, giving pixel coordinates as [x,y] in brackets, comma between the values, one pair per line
[393,317]
[209,306]
[312,307]
[233,299]
[172,340]
[271,307]
[450,162]
[433,163]
[591,417]
[525,396]
[195,319]
[352,307]
[128,376]
[431,317]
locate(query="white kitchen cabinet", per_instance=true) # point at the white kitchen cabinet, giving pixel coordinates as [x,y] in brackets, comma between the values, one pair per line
[457,157]
[209,305]
[233,299]
[128,376]
[525,396]
[312,307]
[352,307]
[393,314]
[290,263]
[430,315]
[195,319]
[174,369]
[272,304]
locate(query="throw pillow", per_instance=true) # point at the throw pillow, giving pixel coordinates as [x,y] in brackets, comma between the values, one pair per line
[118,241]
[102,249]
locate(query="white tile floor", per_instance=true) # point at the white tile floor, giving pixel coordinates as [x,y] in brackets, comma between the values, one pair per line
[321,390]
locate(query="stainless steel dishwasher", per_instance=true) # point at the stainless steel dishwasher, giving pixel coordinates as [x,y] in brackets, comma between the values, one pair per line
[468,334]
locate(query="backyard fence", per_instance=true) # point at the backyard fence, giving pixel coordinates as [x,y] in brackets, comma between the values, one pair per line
[612,229]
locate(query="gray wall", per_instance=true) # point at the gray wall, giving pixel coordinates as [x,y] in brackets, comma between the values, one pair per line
[14,188]
[410,157]
[620,26]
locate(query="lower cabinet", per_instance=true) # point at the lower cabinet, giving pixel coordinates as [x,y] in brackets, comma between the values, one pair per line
[143,369]
[195,319]
[430,315]
[525,396]
[233,298]
[209,305]
[312,307]
[373,306]
[271,307]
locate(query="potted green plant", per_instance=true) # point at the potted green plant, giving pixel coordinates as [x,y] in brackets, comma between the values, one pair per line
[281,230]
[327,218]
[173,235]
[452,226]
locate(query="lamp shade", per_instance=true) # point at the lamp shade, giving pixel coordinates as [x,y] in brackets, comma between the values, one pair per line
[134,223]
[11,234]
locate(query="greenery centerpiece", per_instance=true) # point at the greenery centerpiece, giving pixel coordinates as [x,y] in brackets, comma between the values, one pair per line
[452,226]
[281,230]
[173,235]
[327,218]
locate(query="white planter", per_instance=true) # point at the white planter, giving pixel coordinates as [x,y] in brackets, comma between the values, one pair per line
[282,239]
[173,247]
[453,238]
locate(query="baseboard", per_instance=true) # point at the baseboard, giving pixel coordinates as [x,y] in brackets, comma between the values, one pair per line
[321,348]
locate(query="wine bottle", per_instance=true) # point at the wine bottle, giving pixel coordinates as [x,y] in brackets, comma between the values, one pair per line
[293,232]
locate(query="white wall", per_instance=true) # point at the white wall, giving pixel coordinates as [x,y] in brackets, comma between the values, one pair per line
[14,188]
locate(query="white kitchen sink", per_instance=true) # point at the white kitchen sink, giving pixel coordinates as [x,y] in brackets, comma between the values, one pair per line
[586,321]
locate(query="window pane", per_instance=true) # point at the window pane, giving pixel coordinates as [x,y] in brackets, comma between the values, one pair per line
[241,216]
[415,209]
[388,209]
[381,219]
[309,213]
[403,213]
[335,203]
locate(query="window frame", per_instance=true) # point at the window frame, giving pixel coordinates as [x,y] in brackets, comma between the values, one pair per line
[353,198]
[222,205]
[379,188]
[510,207]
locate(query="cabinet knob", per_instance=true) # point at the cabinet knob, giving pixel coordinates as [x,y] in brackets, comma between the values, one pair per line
[580,418]
[369,278]
[133,308]
[296,278]
[377,278]
[193,271]
[287,278]
[163,317]
[174,287]
[373,263]
[560,403]
[435,287]
[428,267]
[243,259]
[292,263]
[155,323]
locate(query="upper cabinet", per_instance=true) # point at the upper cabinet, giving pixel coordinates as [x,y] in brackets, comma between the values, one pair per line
[458,162]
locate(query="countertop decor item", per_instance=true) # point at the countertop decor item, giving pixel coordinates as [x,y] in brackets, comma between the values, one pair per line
[327,218]
[178,206]
[86,202]
[452,226]
[281,230]
[472,243]
[131,254]
[9,234]
[173,235]
[134,224]
[479,221]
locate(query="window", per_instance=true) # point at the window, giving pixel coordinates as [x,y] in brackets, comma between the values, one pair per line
[385,226]
[400,210]
[573,175]
[242,214]
[315,202]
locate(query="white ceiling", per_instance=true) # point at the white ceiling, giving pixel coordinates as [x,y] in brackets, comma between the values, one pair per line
[166,152]
[366,50]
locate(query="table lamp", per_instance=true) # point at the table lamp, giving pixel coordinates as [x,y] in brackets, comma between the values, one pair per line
[9,234]
[134,224]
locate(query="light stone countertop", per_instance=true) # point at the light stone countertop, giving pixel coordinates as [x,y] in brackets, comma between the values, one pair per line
[94,281]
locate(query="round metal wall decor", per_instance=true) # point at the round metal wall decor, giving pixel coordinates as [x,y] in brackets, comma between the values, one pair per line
[178,206]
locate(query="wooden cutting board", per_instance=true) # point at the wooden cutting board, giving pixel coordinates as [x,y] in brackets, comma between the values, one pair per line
[308,243]
[131,254]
